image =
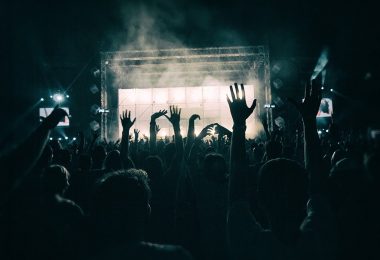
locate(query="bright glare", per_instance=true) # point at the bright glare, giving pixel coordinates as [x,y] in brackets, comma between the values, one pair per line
[208,101]
[58,97]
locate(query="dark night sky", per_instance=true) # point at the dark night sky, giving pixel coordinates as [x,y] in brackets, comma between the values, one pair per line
[46,44]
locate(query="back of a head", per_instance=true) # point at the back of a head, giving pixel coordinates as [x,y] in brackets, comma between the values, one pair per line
[113,161]
[63,157]
[120,204]
[215,167]
[55,179]
[282,188]
[154,167]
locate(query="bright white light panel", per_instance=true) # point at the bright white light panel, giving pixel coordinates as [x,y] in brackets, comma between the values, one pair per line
[209,102]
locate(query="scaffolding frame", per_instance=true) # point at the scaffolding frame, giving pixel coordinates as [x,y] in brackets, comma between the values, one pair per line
[191,66]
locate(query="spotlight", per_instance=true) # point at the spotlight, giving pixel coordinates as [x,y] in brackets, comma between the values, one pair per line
[322,88]
[51,96]
[51,138]
[67,96]
[58,98]
[331,90]
[42,99]
[74,138]
[319,132]
[59,139]
[106,62]
[66,138]
[327,130]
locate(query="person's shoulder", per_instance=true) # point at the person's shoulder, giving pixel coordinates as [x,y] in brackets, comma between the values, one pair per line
[161,251]
[69,206]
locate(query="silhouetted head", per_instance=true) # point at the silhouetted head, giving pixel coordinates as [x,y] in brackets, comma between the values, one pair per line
[282,191]
[215,167]
[346,180]
[63,157]
[55,179]
[120,206]
[113,161]
[55,145]
[154,167]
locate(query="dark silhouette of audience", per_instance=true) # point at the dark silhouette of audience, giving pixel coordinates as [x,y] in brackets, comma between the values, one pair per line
[216,195]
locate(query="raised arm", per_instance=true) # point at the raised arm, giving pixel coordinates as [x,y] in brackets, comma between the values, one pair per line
[175,117]
[190,134]
[308,109]
[127,123]
[239,112]
[18,163]
[154,128]
[135,143]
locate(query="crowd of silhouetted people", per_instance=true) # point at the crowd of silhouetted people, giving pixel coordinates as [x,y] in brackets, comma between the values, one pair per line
[215,195]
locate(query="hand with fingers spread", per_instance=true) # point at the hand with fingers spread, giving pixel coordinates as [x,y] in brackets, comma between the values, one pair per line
[206,131]
[308,108]
[222,131]
[238,106]
[158,114]
[175,117]
[126,121]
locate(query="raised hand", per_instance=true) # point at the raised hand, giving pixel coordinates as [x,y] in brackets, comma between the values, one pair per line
[194,117]
[221,130]
[206,131]
[136,132]
[126,121]
[54,118]
[158,114]
[175,116]
[157,129]
[238,106]
[309,107]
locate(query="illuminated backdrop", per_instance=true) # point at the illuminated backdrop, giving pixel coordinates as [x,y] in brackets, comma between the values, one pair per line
[196,80]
